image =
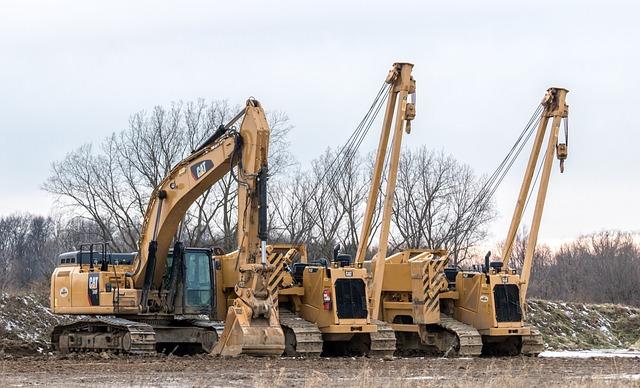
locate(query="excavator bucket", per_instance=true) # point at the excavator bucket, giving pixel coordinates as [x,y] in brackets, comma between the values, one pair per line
[252,336]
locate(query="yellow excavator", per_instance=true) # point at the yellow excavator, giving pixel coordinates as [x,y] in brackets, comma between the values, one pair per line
[435,308]
[155,299]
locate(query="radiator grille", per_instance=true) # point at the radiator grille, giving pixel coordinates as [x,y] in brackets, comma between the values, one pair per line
[506,298]
[351,298]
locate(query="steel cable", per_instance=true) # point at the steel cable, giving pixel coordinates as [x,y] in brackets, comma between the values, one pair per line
[345,155]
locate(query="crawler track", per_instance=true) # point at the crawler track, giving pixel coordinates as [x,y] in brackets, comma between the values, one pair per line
[532,345]
[104,334]
[469,342]
[383,342]
[302,338]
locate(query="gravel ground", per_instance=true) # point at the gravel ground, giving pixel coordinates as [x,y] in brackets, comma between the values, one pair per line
[335,372]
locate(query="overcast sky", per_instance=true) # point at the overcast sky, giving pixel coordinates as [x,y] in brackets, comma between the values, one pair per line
[73,72]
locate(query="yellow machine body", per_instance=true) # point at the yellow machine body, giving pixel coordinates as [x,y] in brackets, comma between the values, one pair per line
[71,290]
[318,282]
[484,309]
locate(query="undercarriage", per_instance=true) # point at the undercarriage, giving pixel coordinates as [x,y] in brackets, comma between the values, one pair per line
[136,335]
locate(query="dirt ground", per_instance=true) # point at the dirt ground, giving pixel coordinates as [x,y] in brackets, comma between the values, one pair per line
[335,372]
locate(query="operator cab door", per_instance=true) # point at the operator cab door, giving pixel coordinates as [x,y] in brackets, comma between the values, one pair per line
[198,282]
[195,293]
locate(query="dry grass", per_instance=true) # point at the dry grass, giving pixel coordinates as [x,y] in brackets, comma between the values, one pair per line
[516,372]
[572,326]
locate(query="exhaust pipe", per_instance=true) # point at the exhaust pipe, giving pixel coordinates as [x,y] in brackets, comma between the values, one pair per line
[486,262]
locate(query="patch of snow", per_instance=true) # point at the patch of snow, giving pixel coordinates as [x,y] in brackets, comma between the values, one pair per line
[621,376]
[420,378]
[608,353]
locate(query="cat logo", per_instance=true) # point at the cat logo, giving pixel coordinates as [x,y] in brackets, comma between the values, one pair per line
[505,279]
[348,274]
[201,168]
[94,289]
[93,284]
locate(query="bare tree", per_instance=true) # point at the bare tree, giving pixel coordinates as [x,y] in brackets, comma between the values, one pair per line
[13,232]
[438,204]
[326,211]
[289,207]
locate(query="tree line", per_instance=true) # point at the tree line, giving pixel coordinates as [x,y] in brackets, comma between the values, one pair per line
[30,245]
[603,267]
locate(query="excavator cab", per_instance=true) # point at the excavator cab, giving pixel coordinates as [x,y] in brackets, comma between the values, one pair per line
[196,285]
[198,280]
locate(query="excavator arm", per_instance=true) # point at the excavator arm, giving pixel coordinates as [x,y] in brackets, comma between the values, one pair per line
[252,325]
